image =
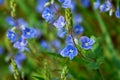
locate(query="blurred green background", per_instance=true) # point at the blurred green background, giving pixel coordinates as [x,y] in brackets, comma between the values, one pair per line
[40,63]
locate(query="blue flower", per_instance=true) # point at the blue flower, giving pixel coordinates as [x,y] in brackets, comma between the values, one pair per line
[21,44]
[69,40]
[96,4]
[40,5]
[78,29]
[62,1]
[117,13]
[1,2]
[1,50]
[10,21]
[19,57]
[61,33]
[67,4]
[56,43]
[22,24]
[77,19]
[85,3]
[29,32]
[106,6]
[86,42]
[60,22]
[69,51]
[11,35]
[73,6]
[47,14]
[44,44]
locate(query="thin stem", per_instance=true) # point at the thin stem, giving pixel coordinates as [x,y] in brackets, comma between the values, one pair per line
[100,71]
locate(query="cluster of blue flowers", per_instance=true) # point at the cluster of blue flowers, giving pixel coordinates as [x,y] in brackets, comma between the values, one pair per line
[70,50]
[1,2]
[107,7]
[19,33]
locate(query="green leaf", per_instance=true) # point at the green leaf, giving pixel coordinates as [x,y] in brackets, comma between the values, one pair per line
[37,77]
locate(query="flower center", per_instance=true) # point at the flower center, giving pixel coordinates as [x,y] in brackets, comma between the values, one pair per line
[71,51]
[86,44]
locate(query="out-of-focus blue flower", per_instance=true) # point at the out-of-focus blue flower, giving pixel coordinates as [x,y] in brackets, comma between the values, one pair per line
[61,33]
[117,13]
[56,43]
[29,32]
[11,35]
[21,44]
[86,42]
[69,51]
[77,19]
[1,50]
[22,24]
[60,22]
[1,2]
[106,6]
[62,1]
[19,57]
[44,44]
[10,21]
[38,33]
[85,3]
[96,4]
[40,5]
[78,29]
[47,14]
[65,3]
[73,5]
[69,40]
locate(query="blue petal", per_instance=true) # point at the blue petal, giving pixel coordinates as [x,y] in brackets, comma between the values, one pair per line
[84,39]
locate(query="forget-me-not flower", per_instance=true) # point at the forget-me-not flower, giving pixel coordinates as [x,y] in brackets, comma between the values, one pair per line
[47,14]
[86,42]
[117,13]
[78,29]
[106,6]
[11,35]
[69,51]
[60,22]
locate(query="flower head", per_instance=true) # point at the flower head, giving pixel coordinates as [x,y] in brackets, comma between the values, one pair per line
[21,44]
[78,29]
[56,43]
[47,14]
[69,51]
[1,50]
[96,4]
[60,22]
[1,2]
[19,57]
[85,3]
[11,35]
[86,42]
[106,6]
[22,24]
[29,32]
[66,3]
[77,19]
[69,40]
[61,33]
[40,5]
[117,13]
[10,21]
[44,44]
